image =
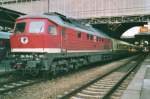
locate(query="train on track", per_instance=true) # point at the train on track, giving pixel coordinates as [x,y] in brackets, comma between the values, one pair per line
[142,40]
[4,44]
[52,43]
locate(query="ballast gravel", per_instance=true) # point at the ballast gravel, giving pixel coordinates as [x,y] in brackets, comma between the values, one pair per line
[53,88]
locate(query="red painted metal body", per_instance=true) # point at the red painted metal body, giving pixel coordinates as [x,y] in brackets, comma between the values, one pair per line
[54,43]
[66,38]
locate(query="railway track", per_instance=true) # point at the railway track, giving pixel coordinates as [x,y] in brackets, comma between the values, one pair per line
[8,86]
[119,91]
[10,81]
[103,87]
[6,77]
[14,85]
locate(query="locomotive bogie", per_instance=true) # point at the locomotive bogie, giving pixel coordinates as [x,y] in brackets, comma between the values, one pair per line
[59,62]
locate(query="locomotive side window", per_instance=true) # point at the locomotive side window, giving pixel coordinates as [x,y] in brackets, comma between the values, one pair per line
[52,30]
[97,39]
[20,27]
[91,37]
[88,36]
[79,34]
[36,27]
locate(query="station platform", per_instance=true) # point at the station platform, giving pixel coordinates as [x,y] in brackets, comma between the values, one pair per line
[139,87]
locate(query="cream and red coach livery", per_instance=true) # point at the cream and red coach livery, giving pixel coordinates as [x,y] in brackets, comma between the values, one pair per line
[53,43]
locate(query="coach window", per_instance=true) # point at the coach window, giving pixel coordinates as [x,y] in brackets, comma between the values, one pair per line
[52,30]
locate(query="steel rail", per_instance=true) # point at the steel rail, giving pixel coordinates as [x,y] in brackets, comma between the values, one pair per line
[84,86]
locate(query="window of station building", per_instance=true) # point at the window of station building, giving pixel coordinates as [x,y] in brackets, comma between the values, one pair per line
[52,30]
[20,27]
[79,34]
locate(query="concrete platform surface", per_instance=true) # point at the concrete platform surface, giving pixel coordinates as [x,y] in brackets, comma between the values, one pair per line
[139,88]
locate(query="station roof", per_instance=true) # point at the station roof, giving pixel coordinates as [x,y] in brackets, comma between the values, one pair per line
[143,33]
[8,17]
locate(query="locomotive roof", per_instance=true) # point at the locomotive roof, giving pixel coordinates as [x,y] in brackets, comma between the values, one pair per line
[5,35]
[66,22]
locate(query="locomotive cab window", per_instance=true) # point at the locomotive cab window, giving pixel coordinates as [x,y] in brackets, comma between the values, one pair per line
[52,30]
[20,27]
[36,27]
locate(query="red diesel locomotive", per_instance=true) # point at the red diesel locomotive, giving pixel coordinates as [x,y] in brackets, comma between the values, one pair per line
[53,43]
